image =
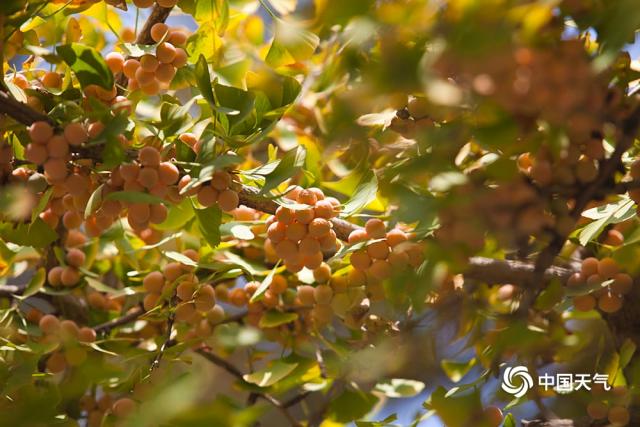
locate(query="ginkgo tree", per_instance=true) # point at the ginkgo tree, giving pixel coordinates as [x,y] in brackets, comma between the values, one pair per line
[281,212]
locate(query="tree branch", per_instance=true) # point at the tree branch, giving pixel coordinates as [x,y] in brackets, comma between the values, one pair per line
[494,271]
[127,318]
[205,352]
[251,197]
[20,111]
[158,14]
[607,170]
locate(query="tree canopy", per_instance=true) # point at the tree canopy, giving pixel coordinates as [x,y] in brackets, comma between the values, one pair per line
[319,213]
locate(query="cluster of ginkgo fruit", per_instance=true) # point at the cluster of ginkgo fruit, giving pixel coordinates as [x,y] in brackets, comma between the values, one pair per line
[96,409]
[577,164]
[102,301]
[384,252]
[68,275]
[301,235]
[611,405]
[158,284]
[69,338]
[220,190]
[312,303]
[148,174]
[52,150]
[607,298]
[152,73]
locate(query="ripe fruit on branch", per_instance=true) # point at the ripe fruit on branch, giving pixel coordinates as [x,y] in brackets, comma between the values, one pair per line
[300,236]
[609,298]
[383,253]
[219,190]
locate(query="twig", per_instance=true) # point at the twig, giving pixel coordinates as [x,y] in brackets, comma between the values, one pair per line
[296,399]
[205,352]
[166,344]
[127,318]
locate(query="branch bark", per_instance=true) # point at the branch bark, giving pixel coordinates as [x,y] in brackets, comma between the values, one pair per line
[20,111]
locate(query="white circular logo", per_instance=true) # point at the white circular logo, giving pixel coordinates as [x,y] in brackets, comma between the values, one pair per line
[525,381]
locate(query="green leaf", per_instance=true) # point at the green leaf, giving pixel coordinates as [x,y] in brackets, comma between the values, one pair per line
[611,213]
[137,50]
[212,11]
[586,288]
[271,374]
[289,165]
[95,200]
[627,350]
[364,194]
[203,80]
[209,221]
[136,197]
[42,204]
[259,293]
[182,259]
[177,218]
[291,44]
[36,283]
[32,23]
[206,173]
[351,405]
[399,387]
[238,103]
[204,42]
[273,318]
[456,370]
[455,411]
[101,287]
[37,234]
[242,232]
[97,348]
[509,421]
[550,296]
[88,65]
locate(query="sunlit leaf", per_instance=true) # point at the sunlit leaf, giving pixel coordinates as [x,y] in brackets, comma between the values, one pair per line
[270,375]
[87,64]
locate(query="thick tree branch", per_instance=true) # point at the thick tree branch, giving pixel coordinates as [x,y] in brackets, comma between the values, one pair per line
[158,14]
[20,111]
[494,271]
